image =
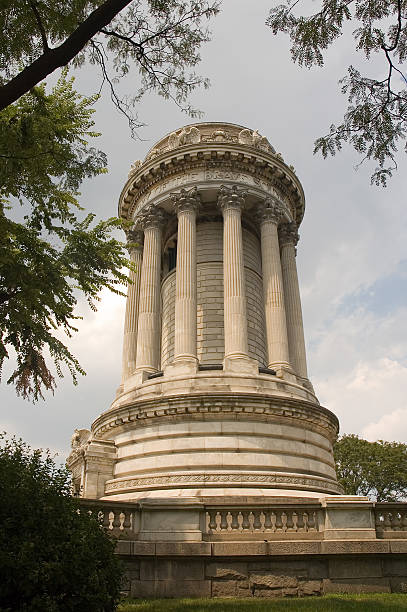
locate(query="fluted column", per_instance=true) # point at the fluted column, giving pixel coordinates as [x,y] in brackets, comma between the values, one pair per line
[186,203]
[135,248]
[231,201]
[276,324]
[148,336]
[295,329]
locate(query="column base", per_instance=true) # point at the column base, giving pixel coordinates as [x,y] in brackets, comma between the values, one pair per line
[284,371]
[136,379]
[240,364]
[182,366]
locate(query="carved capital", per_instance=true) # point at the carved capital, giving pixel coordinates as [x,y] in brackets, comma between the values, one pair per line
[231,198]
[151,216]
[288,234]
[134,240]
[186,200]
[270,211]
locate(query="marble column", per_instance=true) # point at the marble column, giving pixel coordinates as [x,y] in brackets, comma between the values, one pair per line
[186,204]
[135,248]
[148,333]
[295,329]
[231,201]
[276,324]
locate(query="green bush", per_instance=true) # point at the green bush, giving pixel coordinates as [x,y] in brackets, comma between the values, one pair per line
[53,558]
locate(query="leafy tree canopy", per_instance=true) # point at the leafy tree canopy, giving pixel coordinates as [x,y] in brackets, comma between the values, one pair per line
[57,253]
[52,557]
[376,469]
[46,259]
[376,119]
[155,42]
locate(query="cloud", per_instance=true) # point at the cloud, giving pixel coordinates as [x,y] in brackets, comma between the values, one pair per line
[391,426]
[370,400]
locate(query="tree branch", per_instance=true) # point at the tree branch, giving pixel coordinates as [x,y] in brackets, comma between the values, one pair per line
[62,55]
[41,28]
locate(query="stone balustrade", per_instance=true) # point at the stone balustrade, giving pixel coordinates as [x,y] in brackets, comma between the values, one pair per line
[120,519]
[270,522]
[303,521]
[391,520]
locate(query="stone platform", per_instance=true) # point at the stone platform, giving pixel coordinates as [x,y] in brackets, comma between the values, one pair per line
[238,547]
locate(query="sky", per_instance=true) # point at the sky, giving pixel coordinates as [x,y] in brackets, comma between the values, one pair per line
[352,254]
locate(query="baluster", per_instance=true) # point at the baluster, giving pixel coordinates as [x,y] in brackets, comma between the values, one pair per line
[267,522]
[246,525]
[240,521]
[207,522]
[315,521]
[111,519]
[387,524]
[122,517]
[218,521]
[404,521]
[212,524]
[229,519]
[251,521]
[223,523]
[284,521]
[273,521]
[295,521]
[235,522]
[262,518]
[305,521]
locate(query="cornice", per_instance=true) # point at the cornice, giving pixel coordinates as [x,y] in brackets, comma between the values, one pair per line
[217,406]
[236,157]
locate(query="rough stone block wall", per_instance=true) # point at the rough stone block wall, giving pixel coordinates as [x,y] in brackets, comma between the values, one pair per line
[210,311]
[259,577]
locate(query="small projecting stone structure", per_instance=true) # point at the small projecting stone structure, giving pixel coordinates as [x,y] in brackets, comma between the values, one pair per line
[216,437]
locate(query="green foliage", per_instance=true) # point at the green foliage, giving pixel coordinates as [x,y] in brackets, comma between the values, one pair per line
[52,256]
[377,469]
[52,557]
[156,43]
[376,118]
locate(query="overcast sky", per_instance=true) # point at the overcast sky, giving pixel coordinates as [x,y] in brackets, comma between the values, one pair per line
[352,255]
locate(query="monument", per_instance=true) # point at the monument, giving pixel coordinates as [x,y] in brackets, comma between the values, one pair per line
[216,444]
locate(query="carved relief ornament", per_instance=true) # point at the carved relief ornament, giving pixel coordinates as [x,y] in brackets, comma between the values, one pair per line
[151,216]
[134,240]
[231,197]
[288,233]
[186,200]
[271,210]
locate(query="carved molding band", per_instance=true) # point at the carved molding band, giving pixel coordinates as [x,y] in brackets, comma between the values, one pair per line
[261,408]
[269,480]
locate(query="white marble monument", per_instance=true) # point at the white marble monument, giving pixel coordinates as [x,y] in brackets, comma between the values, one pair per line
[215,398]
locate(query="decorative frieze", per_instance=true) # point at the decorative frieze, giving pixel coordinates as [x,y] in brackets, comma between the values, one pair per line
[274,480]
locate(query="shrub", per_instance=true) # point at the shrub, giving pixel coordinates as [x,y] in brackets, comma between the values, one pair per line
[53,557]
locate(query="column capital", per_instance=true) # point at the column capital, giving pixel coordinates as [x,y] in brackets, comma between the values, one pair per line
[151,216]
[186,200]
[134,240]
[288,233]
[270,211]
[231,198]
